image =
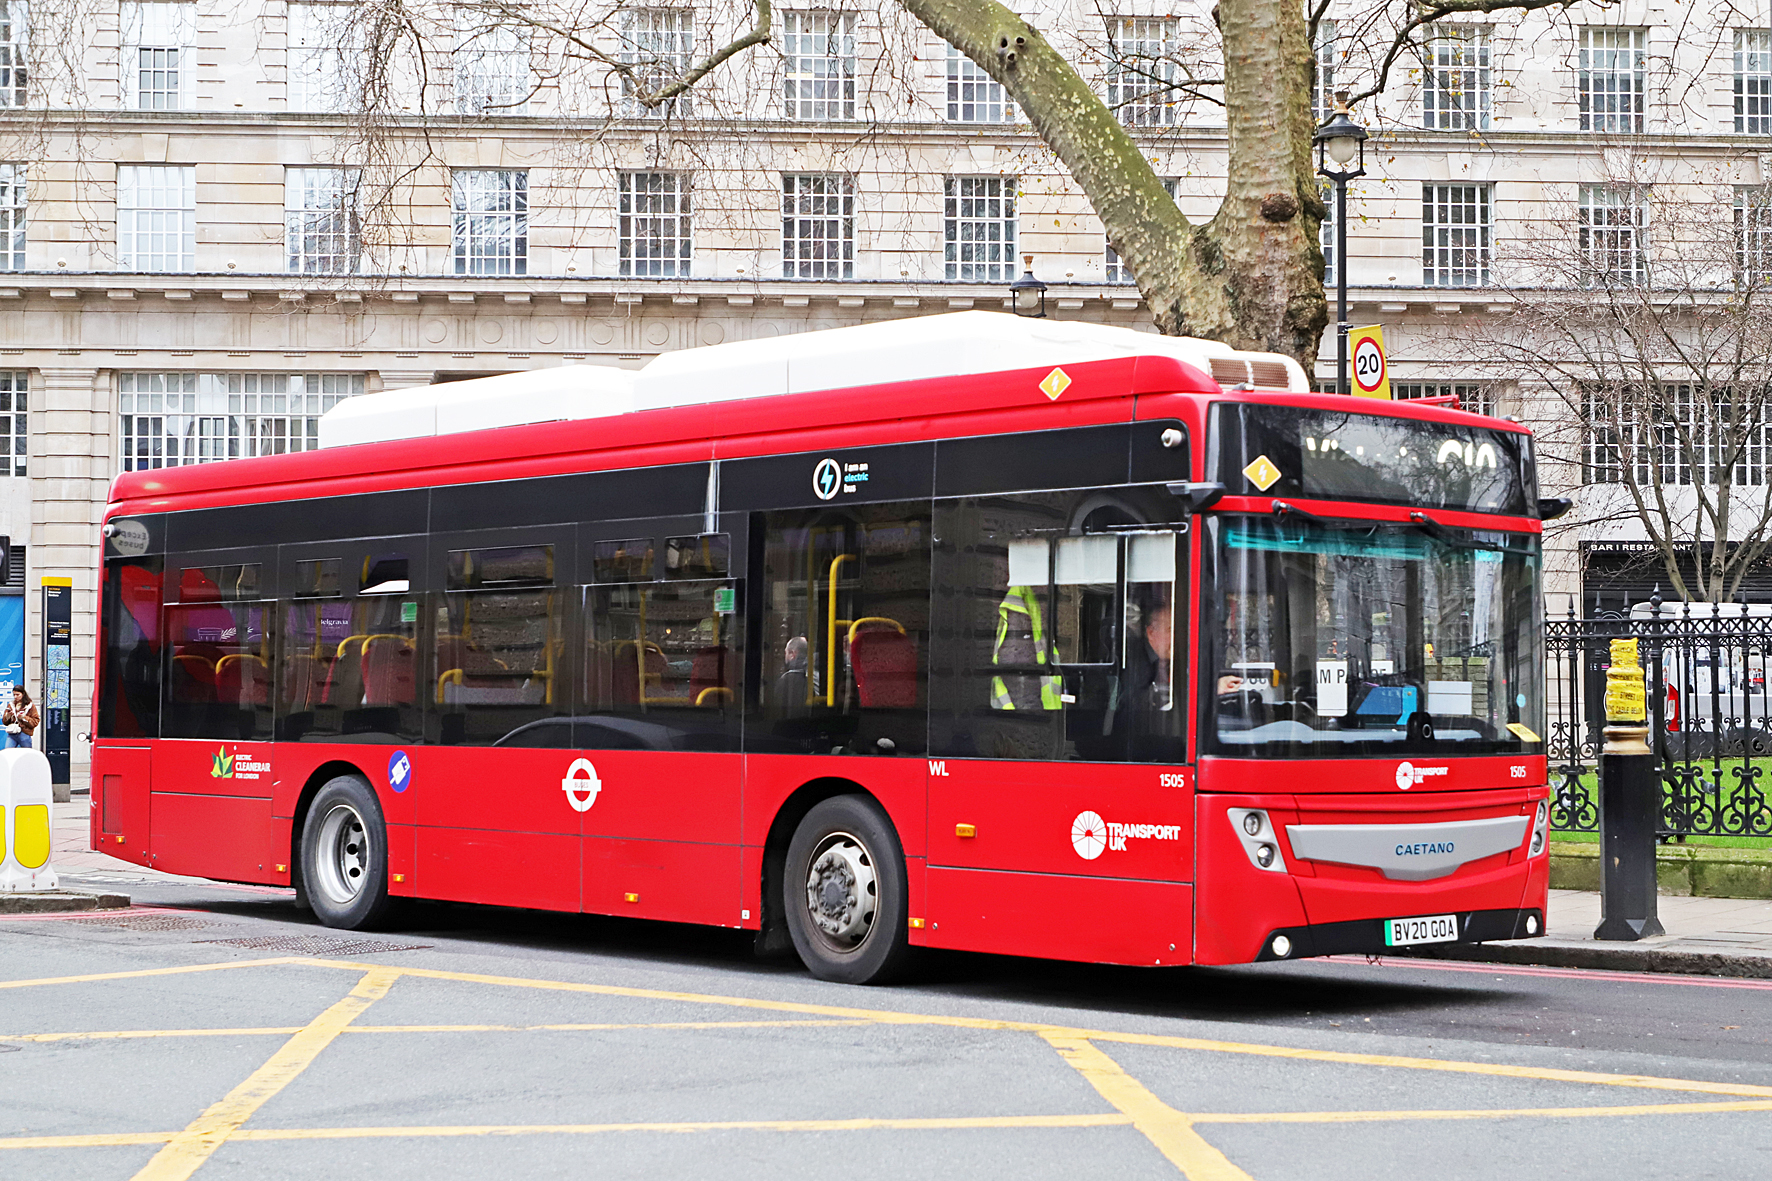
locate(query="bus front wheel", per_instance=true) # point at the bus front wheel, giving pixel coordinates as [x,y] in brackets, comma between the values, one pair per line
[344,852]
[845,893]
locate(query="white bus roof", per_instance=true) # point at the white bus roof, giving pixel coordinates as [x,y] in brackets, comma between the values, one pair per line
[950,345]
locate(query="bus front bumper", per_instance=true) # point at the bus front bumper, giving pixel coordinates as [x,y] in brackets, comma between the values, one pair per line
[1367,936]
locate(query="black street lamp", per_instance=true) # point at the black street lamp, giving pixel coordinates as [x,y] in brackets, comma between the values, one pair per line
[1027,295]
[1341,156]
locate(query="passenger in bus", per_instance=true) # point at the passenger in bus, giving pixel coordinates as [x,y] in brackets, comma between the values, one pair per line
[1146,686]
[791,687]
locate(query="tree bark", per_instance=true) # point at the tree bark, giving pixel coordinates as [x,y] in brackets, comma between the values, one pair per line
[1252,276]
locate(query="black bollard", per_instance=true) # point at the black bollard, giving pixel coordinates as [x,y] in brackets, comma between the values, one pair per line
[1630,813]
[1630,805]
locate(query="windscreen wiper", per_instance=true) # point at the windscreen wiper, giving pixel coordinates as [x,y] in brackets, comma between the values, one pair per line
[1443,535]
[1283,509]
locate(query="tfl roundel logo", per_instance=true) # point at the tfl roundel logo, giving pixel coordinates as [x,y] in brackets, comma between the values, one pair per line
[1088,835]
[827,479]
[581,779]
[1405,776]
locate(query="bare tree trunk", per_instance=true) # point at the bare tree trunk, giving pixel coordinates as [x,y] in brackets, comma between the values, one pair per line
[1252,276]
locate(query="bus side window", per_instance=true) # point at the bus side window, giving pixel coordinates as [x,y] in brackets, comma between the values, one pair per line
[133,654]
[663,666]
[845,630]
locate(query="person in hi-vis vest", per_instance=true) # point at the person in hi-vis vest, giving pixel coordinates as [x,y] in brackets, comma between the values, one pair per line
[1022,644]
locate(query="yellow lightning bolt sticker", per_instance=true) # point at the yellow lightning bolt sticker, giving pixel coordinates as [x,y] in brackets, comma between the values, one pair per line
[1262,472]
[1055,383]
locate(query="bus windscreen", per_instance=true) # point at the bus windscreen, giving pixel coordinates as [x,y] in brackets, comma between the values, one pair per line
[1355,455]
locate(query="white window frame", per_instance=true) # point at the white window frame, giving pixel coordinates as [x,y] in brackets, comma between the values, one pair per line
[165,30]
[174,419]
[980,228]
[1612,78]
[817,225]
[1753,236]
[1326,54]
[157,218]
[15,428]
[1458,89]
[1753,81]
[1613,227]
[660,43]
[490,67]
[1112,269]
[15,32]
[974,96]
[655,225]
[1326,232]
[1474,397]
[818,75]
[1141,69]
[490,216]
[322,221]
[1456,235]
[15,212]
[318,59]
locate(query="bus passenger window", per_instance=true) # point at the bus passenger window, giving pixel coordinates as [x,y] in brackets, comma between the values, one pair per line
[351,667]
[218,678]
[705,556]
[133,656]
[499,663]
[846,626]
[628,560]
[662,667]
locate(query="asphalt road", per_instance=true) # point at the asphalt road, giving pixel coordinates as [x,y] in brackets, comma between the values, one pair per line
[219,1032]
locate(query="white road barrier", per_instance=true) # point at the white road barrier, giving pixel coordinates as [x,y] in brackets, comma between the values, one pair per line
[27,801]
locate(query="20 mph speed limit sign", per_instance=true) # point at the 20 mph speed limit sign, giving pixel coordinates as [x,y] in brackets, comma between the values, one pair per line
[1372,378]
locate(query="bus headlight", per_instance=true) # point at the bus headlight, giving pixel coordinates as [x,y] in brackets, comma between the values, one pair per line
[1540,830]
[1256,831]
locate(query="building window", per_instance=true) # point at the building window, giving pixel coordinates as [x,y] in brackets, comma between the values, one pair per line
[320,218]
[1473,396]
[1326,57]
[817,226]
[491,222]
[316,59]
[491,66]
[1113,270]
[658,43]
[13,29]
[1695,437]
[819,48]
[1753,235]
[1455,95]
[15,385]
[1613,74]
[156,218]
[1613,234]
[13,198]
[980,228]
[169,419]
[1141,71]
[1454,235]
[973,95]
[157,39]
[1326,232]
[1753,81]
[653,230]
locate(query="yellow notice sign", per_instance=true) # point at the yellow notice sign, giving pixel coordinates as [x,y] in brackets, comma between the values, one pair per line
[1262,472]
[1372,373]
[1055,383]
[1523,732]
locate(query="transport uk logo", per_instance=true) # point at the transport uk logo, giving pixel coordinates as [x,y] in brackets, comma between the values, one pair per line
[1091,836]
[1409,775]
[581,780]
[236,766]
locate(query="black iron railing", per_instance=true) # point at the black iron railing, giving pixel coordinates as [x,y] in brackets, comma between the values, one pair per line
[1710,714]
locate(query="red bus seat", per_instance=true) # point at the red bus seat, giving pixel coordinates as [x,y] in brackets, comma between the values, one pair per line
[193,679]
[242,680]
[390,671]
[884,664]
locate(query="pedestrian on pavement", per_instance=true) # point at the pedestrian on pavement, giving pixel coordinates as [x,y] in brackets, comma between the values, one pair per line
[20,719]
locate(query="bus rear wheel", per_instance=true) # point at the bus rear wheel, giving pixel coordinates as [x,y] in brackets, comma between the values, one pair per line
[344,850]
[844,892]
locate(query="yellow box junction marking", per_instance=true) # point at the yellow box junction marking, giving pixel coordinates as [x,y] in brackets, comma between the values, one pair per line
[1055,383]
[1171,1131]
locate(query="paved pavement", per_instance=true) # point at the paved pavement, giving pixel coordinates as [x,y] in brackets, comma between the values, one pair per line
[217,1031]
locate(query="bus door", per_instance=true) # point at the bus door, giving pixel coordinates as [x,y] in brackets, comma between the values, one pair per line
[493,827]
[656,773]
[1070,834]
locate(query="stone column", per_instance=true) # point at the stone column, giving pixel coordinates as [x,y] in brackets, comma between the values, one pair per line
[70,465]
